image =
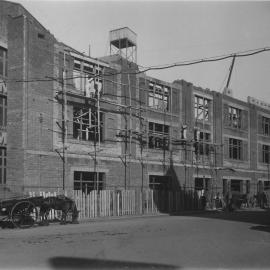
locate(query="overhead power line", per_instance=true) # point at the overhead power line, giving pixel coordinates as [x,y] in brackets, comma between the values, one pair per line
[207,60]
[159,67]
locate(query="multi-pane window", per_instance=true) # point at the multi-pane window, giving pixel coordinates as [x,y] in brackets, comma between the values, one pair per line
[3,165]
[159,182]
[201,108]
[235,117]
[158,96]
[158,136]
[204,143]
[235,149]
[87,77]
[266,126]
[86,125]
[266,153]
[88,181]
[3,62]
[3,112]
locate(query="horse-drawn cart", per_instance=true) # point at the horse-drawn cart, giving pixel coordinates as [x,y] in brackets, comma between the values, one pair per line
[25,212]
[21,212]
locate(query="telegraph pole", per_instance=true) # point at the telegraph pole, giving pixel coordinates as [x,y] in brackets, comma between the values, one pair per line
[130,127]
[230,74]
[64,117]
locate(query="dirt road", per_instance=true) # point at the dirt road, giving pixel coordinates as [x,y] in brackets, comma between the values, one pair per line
[213,240]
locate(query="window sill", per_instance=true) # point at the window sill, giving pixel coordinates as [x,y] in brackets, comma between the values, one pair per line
[203,121]
[235,128]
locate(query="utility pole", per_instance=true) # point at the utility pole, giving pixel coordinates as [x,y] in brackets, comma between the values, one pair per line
[125,161]
[130,126]
[95,153]
[230,74]
[98,124]
[141,152]
[64,117]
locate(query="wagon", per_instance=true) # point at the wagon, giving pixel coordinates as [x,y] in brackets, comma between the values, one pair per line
[20,212]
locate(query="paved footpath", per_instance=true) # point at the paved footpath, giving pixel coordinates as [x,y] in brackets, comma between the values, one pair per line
[239,240]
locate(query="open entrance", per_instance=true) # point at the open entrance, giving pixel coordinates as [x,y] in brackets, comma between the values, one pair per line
[236,186]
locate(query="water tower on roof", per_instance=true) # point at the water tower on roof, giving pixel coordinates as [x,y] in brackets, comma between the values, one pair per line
[123,41]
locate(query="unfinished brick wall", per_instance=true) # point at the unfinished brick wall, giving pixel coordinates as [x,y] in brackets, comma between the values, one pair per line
[30,95]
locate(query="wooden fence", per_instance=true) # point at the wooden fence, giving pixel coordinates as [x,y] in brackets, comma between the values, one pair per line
[108,203]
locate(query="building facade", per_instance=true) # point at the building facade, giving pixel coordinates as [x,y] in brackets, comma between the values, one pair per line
[70,121]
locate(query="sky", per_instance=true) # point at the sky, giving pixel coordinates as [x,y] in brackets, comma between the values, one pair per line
[170,32]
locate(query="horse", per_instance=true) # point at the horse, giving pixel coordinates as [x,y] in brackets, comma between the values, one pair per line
[59,202]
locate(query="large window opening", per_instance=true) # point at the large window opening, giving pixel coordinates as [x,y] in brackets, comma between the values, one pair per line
[159,182]
[3,62]
[235,117]
[88,181]
[158,136]
[158,97]
[201,108]
[87,77]
[235,149]
[204,143]
[266,153]
[3,165]
[3,112]
[266,126]
[86,125]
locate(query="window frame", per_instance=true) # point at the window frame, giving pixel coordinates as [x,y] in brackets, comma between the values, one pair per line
[201,108]
[158,96]
[87,77]
[4,62]
[3,112]
[266,126]
[82,180]
[235,117]
[158,136]
[266,154]
[204,143]
[3,165]
[159,182]
[235,149]
[82,119]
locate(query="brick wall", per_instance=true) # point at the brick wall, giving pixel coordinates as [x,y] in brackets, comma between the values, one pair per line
[16,102]
[29,95]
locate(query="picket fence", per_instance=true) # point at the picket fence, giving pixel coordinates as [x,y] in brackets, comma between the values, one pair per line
[108,203]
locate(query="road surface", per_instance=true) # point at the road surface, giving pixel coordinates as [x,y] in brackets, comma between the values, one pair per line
[208,240]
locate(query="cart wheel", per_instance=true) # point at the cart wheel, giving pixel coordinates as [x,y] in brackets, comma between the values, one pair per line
[24,214]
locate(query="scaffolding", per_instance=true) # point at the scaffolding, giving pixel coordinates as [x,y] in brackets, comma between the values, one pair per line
[136,117]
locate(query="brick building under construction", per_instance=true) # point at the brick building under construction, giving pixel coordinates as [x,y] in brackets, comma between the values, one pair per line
[75,122]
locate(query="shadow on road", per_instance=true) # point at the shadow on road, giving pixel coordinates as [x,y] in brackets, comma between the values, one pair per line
[256,216]
[84,263]
[261,228]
